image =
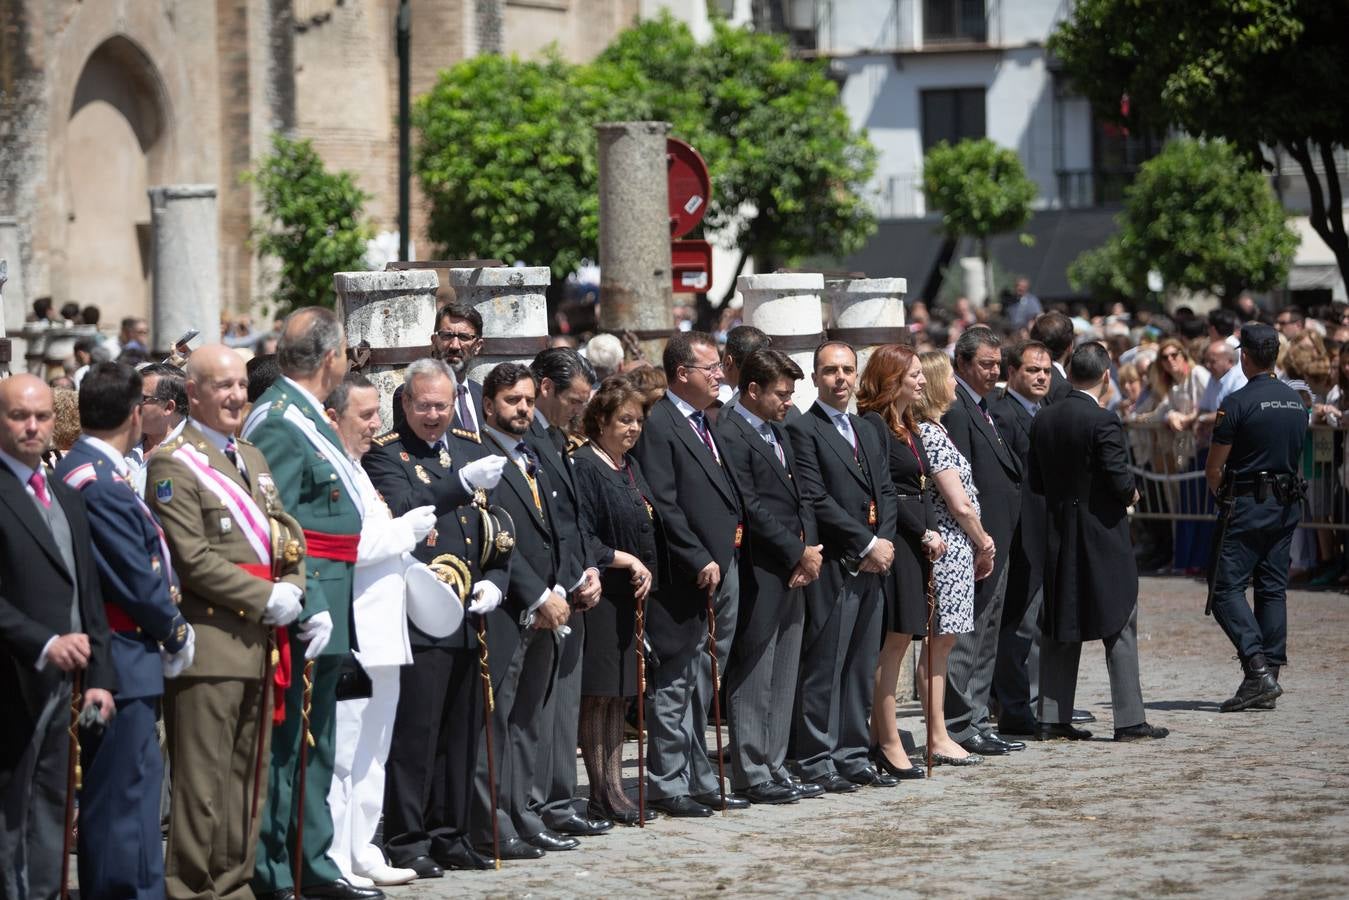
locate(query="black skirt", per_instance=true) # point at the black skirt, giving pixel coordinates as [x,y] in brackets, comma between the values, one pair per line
[610,664]
[906,586]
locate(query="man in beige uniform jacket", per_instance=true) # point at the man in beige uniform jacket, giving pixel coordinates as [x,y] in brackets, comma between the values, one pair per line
[240,563]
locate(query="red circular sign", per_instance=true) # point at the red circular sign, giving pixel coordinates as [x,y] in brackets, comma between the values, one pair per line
[690,187]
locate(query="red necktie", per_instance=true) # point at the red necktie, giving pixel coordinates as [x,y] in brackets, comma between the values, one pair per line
[38,482]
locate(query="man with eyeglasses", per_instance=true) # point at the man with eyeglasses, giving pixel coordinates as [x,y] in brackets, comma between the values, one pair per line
[1290,322]
[699,504]
[163,415]
[456,341]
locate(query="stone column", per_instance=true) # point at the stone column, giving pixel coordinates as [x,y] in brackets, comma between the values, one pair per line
[186,257]
[394,313]
[786,306]
[514,310]
[13,299]
[635,269]
[867,312]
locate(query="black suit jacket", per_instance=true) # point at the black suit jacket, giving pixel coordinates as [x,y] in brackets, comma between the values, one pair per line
[842,491]
[779,523]
[566,506]
[34,587]
[1058,387]
[1079,465]
[1026,563]
[997,476]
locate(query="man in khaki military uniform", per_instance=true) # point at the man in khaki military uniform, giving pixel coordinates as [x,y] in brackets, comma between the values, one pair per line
[240,563]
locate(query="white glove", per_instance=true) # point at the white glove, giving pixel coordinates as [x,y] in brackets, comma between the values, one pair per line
[421,520]
[482,473]
[486,596]
[175,663]
[316,631]
[283,607]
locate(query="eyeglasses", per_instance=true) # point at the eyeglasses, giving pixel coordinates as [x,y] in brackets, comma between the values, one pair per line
[424,407]
[146,398]
[714,367]
[463,337]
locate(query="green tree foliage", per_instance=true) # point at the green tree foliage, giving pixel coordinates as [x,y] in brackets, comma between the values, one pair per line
[981,190]
[311,222]
[1203,218]
[1259,73]
[507,154]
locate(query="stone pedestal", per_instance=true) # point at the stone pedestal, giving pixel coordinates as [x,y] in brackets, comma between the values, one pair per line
[393,312]
[635,270]
[867,313]
[514,312]
[186,259]
[13,298]
[787,308]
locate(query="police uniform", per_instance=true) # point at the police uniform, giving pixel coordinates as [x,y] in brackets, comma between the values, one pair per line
[316,482]
[119,839]
[429,773]
[1265,425]
[218,713]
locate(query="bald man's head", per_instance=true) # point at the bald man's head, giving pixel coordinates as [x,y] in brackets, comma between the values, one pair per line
[217,387]
[28,418]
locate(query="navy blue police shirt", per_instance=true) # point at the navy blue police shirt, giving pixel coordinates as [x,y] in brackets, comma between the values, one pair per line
[1265,423]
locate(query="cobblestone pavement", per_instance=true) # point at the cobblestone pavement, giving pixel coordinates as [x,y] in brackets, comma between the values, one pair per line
[1241,805]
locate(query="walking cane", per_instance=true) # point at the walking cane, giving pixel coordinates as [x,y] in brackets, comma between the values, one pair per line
[716,694]
[639,624]
[306,739]
[489,704]
[263,713]
[72,781]
[931,621]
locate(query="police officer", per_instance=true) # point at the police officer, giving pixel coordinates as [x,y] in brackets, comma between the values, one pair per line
[1253,465]
[425,462]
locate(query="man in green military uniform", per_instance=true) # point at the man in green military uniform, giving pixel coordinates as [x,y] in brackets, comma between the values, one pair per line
[317,486]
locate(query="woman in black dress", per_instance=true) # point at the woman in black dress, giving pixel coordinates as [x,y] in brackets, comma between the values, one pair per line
[623,534]
[891,382]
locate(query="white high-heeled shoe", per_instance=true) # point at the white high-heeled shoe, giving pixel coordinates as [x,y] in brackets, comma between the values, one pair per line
[386,875]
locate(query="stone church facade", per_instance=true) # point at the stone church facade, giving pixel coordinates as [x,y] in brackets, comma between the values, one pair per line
[101,100]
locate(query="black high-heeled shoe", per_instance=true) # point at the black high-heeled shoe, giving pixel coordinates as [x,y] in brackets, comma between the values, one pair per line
[629,816]
[883,763]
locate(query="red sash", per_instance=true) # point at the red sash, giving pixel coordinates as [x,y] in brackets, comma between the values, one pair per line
[339,547]
[281,674]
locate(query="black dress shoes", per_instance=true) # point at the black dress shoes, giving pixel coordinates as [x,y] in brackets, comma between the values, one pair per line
[1012,746]
[713,802]
[626,816]
[461,857]
[1058,731]
[980,745]
[1024,727]
[805,791]
[681,807]
[1143,732]
[424,866]
[588,827]
[903,773]
[1082,717]
[770,793]
[1258,686]
[871,777]
[514,848]
[834,783]
[547,840]
[341,889]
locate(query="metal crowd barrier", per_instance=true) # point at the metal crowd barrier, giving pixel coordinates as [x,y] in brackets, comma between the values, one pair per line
[1170,472]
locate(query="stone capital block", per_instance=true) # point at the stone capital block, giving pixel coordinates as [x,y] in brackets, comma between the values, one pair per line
[786,306]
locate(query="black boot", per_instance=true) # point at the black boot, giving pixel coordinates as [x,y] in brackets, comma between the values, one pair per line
[1258,685]
[1267,704]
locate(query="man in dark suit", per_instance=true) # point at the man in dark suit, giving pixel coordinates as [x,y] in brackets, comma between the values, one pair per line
[845,474]
[429,773]
[1016,674]
[565,382]
[52,628]
[119,843]
[523,634]
[455,341]
[761,672]
[997,476]
[1055,331]
[699,505]
[1078,464]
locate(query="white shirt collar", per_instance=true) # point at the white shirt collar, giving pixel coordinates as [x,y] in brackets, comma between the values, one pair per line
[118,461]
[754,421]
[540,418]
[507,442]
[22,471]
[1059,366]
[313,401]
[217,439]
[829,411]
[1031,406]
[686,409]
[971,391]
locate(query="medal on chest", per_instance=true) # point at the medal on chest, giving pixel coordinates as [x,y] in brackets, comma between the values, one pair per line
[422,475]
[444,458]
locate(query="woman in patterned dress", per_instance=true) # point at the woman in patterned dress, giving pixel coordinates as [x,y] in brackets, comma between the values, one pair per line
[969,549]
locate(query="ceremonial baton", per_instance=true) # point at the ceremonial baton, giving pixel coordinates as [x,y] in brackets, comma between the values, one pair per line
[489,704]
[305,740]
[639,624]
[931,635]
[716,693]
[267,690]
[72,781]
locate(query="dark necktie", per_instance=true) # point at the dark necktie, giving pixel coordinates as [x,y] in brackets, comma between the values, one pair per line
[558,438]
[531,463]
[464,414]
[700,425]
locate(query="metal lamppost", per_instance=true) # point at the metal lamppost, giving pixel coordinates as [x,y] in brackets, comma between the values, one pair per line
[404,29]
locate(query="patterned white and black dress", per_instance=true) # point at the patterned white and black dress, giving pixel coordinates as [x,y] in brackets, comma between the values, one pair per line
[954,571]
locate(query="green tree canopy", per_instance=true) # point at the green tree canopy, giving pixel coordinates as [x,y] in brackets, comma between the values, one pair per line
[1259,73]
[981,190]
[1203,218]
[311,222]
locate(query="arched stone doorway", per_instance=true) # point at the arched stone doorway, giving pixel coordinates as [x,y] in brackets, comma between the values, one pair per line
[114,151]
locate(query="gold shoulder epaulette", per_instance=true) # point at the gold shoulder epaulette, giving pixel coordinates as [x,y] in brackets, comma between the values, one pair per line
[387,438]
[467,435]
